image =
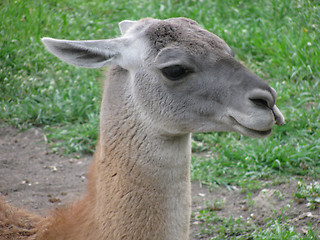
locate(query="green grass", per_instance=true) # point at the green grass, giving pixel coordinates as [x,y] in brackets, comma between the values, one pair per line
[278,40]
[237,228]
[310,193]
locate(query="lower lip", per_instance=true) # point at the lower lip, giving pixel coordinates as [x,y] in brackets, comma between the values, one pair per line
[250,131]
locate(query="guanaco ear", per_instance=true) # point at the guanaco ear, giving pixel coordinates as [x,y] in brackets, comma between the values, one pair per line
[125,25]
[89,54]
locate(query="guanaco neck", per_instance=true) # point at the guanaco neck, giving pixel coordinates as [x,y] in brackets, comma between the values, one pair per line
[143,179]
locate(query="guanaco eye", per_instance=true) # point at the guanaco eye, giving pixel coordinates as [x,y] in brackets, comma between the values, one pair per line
[175,72]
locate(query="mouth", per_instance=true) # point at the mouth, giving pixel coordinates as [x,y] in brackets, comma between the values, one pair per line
[249,132]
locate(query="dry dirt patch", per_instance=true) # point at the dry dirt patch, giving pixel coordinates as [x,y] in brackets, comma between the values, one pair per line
[34,178]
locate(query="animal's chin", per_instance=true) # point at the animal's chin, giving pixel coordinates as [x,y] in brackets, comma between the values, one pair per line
[253,133]
[249,132]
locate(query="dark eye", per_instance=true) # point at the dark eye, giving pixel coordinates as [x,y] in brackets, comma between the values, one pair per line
[175,72]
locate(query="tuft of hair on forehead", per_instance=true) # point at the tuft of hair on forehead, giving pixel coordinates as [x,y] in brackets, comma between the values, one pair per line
[181,32]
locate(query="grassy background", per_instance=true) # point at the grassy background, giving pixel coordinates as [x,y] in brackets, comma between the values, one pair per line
[278,40]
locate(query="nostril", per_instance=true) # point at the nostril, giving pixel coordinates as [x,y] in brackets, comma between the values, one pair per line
[260,102]
[262,98]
